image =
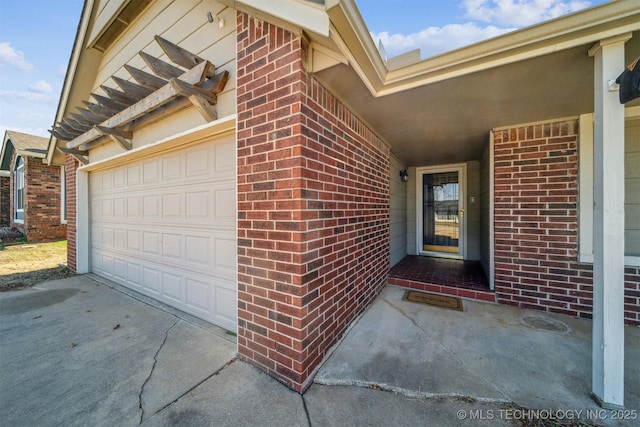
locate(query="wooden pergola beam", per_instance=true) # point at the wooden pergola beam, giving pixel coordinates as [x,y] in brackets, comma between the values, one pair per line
[179,55]
[90,115]
[100,110]
[145,79]
[78,127]
[108,102]
[148,104]
[148,99]
[219,82]
[131,88]
[83,120]
[119,96]
[161,68]
[68,130]
[121,137]
[60,135]
[81,155]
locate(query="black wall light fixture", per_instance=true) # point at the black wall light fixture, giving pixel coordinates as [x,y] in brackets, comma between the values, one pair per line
[404,176]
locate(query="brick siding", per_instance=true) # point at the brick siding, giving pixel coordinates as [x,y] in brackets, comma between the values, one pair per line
[42,204]
[313,208]
[536,224]
[71,167]
[5,216]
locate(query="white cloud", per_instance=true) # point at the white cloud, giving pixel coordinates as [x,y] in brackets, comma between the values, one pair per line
[13,58]
[487,19]
[14,95]
[520,13]
[435,40]
[40,87]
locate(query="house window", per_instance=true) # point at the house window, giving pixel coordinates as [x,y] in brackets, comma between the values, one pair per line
[63,195]
[18,179]
[631,190]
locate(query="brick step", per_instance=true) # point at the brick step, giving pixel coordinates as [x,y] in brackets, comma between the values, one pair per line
[475,294]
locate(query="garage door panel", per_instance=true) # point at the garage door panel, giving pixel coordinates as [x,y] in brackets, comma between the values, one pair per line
[172,246]
[166,227]
[150,242]
[225,300]
[119,269]
[172,165]
[205,252]
[151,280]
[197,295]
[134,275]
[151,207]
[172,206]
[223,152]
[150,172]
[173,287]
[120,239]
[225,254]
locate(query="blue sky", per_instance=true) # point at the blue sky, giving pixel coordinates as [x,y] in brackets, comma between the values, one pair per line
[36,38]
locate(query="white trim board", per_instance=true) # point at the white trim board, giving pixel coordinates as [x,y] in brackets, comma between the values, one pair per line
[585,189]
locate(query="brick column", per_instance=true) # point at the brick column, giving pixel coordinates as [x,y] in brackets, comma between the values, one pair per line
[313,208]
[71,167]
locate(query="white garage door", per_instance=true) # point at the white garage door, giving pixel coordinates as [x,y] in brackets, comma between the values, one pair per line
[165,226]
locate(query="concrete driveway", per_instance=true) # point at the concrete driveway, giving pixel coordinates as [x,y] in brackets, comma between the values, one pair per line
[78,351]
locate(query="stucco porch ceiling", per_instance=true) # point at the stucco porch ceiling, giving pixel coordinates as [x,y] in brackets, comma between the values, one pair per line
[449,121]
[442,109]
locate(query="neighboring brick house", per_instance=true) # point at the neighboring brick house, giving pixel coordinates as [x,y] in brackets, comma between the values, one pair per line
[31,191]
[5,200]
[265,196]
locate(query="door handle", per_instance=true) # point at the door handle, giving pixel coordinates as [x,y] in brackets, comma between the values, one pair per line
[461,212]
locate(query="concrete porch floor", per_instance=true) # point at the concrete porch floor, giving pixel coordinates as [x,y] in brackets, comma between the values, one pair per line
[491,354]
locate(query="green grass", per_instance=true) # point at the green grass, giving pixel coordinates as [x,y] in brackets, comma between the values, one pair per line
[25,257]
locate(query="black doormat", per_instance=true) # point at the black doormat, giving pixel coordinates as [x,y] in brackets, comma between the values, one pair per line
[452,303]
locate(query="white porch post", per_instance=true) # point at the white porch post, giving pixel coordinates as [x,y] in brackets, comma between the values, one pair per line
[608,226]
[83,237]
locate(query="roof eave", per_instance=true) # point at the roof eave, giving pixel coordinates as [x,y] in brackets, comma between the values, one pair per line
[306,15]
[588,26]
[78,46]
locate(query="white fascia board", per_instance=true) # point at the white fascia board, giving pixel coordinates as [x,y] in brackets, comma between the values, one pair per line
[507,49]
[307,15]
[78,47]
[600,22]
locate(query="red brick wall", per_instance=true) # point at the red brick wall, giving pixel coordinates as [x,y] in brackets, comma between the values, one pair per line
[4,201]
[536,224]
[313,208]
[43,202]
[632,295]
[42,207]
[71,167]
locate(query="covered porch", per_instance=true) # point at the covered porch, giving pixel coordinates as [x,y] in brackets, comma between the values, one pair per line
[503,117]
[462,278]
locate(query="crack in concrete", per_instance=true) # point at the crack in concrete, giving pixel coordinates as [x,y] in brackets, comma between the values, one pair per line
[446,347]
[194,387]
[412,393]
[153,367]
[306,410]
